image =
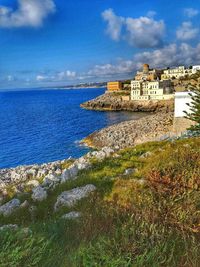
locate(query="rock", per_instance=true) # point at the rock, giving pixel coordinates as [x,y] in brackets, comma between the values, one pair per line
[11,206]
[73,170]
[32,209]
[82,163]
[129,171]
[71,215]
[146,155]
[50,179]
[33,183]
[71,197]
[31,173]
[14,176]
[42,172]
[24,205]
[39,194]
[140,181]
[65,176]
[13,227]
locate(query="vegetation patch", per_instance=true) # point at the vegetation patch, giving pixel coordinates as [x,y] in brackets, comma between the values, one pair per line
[149,216]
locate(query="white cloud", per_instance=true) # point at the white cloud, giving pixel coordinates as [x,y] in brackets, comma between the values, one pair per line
[29,13]
[121,67]
[60,76]
[40,78]
[187,31]
[145,32]
[10,78]
[142,32]
[191,12]
[66,74]
[170,55]
[115,24]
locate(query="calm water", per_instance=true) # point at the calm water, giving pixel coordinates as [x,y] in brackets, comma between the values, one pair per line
[43,126]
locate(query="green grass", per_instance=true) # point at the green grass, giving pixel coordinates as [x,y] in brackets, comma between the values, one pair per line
[125,223]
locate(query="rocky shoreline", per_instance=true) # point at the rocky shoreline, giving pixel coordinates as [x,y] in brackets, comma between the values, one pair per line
[115,102]
[36,181]
[130,133]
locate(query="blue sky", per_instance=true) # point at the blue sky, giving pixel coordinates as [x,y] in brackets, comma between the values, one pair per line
[58,42]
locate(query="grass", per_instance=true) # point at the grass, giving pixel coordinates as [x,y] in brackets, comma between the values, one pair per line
[148,218]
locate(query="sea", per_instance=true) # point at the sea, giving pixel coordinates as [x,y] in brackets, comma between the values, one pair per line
[39,126]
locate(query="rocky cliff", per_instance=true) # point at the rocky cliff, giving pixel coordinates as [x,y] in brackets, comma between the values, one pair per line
[114,101]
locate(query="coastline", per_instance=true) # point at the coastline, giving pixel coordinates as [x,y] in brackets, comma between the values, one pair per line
[115,137]
[115,102]
[130,133]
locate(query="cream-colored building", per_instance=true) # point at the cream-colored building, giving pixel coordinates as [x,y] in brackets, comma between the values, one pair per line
[151,90]
[148,74]
[176,73]
[195,69]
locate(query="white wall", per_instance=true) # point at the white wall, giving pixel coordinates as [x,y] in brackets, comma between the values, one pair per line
[181,100]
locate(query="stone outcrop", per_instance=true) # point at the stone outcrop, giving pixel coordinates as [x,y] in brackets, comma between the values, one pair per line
[47,177]
[39,194]
[9,207]
[115,102]
[71,197]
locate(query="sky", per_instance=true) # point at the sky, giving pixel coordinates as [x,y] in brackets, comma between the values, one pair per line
[58,42]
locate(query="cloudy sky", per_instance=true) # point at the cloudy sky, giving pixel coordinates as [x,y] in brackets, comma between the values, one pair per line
[58,42]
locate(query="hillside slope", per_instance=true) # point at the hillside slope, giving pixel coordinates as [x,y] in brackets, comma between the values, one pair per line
[145,212]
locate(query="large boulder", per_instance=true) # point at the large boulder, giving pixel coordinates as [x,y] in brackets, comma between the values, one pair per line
[71,197]
[8,208]
[39,194]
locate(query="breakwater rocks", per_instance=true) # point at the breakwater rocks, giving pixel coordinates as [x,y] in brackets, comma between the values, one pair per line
[151,128]
[115,102]
[36,181]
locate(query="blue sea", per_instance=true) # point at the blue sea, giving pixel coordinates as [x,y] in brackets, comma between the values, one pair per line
[38,126]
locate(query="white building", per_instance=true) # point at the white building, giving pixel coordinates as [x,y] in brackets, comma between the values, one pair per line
[151,90]
[195,69]
[176,73]
[182,102]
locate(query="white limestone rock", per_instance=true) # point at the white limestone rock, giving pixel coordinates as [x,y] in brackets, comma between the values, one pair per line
[39,194]
[73,170]
[65,176]
[11,206]
[13,227]
[71,215]
[130,171]
[33,183]
[71,197]
[146,155]
[50,180]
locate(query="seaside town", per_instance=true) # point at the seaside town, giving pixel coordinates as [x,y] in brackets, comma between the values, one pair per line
[155,84]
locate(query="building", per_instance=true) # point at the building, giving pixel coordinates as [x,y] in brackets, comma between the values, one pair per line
[114,86]
[152,90]
[195,69]
[183,103]
[148,74]
[178,72]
